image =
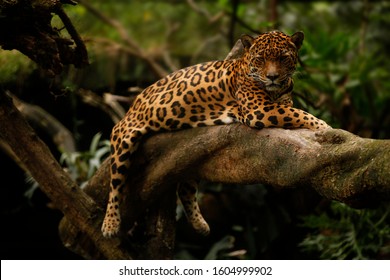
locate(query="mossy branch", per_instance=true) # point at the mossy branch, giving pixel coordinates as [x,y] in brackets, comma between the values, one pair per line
[337,164]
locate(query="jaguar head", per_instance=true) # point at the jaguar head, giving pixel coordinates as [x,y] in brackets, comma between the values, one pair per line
[271,58]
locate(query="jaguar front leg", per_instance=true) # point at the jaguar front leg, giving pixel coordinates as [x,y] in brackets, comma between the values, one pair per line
[257,113]
[289,117]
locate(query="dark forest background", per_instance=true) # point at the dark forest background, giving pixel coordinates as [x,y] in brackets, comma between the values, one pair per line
[343,77]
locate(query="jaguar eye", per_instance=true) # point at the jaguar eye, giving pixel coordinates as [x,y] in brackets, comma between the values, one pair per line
[284,58]
[257,61]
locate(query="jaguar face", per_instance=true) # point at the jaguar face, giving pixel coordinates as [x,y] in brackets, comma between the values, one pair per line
[273,72]
[272,58]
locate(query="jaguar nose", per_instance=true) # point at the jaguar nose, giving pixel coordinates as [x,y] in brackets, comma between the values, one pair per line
[272,76]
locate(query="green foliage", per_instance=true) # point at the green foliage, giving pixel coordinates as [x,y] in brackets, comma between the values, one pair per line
[347,233]
[344,78]
[352,84]
[15,67]
[82,165]
[345,68]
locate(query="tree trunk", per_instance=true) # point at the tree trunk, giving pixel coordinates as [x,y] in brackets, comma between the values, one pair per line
[78,207]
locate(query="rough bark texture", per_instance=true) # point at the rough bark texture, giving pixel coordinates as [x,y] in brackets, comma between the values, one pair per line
[80,209]
[337,164]
[26,26]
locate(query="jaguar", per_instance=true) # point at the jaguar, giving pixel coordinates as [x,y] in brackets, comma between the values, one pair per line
[254,89]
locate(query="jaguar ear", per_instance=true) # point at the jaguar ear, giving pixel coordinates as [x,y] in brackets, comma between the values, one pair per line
[297,39]
[247,41]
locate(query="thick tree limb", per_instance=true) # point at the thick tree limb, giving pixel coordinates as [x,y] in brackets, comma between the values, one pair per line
[80,209]
[338,165]
[40,118]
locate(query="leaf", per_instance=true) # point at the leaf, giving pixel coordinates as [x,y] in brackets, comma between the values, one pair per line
[225,243]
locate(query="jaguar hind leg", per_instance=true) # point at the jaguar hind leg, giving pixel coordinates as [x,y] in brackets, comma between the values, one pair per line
[121,150]
[187,194]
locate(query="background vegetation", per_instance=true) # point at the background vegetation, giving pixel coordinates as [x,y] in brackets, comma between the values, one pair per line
[343,78]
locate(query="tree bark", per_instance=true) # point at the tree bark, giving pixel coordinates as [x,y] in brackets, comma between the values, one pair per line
[78,207]
[338,165]
[26,26]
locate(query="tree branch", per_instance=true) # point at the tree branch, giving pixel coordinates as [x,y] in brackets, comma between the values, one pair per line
[79,208]
[38,117]
[338,165]
[132,45]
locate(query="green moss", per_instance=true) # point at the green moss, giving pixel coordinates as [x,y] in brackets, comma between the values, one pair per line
[14,66]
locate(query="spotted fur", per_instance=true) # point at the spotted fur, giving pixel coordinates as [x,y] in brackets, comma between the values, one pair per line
[254,90]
